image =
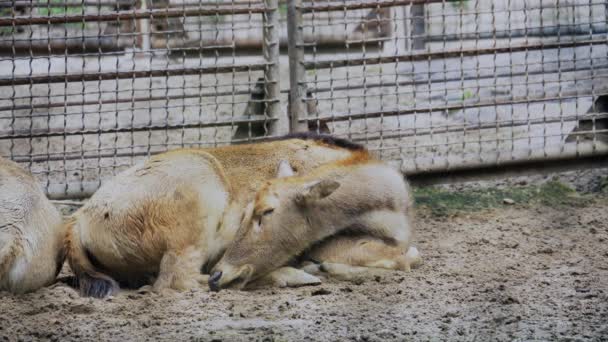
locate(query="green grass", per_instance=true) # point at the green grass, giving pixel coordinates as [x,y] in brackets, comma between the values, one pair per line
[467,95]
[6,12]
[52,9]
[604,185]
[283,10]
[459,3]
[58,9]
[445,202]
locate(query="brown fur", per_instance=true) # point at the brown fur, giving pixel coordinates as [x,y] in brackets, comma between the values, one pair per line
[31,232]
[171,215]
[324,139]
[90,281]
[362,251]
[289,215]
[9,254]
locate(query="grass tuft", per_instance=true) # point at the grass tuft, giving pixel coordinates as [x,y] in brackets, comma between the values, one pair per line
[443,202]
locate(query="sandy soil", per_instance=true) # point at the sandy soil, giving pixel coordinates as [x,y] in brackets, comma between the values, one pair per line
[517,272]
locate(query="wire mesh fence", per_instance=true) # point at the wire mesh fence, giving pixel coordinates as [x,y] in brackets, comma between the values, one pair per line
[90,87]
[442,85]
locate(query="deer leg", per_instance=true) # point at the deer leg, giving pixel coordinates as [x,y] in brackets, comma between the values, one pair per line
[286,277]
[180,270]
[352,256]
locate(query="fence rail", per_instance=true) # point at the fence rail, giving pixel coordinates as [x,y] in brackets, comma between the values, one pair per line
[458,84]
[129,15]
[87,88]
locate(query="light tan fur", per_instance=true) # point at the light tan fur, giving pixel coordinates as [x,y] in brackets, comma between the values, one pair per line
[358,208]
[169,216]
[31,232]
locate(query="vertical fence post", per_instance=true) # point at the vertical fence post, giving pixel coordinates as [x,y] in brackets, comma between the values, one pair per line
[143,28]
[272,85]
[417,13]
[297,73]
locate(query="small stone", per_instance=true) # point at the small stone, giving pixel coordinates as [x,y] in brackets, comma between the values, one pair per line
[509,300]
[320,292]
[508,201]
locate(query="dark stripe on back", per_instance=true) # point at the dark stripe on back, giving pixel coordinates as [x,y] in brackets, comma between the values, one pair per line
[324,138]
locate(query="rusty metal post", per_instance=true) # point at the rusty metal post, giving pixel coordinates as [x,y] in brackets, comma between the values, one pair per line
[272,84]
[297,72]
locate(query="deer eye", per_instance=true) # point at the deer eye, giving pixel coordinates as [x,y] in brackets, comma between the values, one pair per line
[267,212]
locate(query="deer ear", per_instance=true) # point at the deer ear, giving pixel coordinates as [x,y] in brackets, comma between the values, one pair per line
[284,169]
[316,190]
[248,214]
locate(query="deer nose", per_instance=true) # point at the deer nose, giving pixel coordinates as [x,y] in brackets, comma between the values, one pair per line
[214,281]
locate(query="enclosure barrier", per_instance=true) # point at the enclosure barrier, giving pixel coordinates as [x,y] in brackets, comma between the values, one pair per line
[458,84]
[90,87]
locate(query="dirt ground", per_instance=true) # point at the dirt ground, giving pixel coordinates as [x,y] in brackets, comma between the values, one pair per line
[514,272]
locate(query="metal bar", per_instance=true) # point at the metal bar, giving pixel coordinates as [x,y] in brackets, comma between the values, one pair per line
[272,80]
[60,45]
[83,35]
[411,132]
[153,88]
[115,110]
[490,103]
[573,28]
[603,67]
[34,4]
[582,151]
[418,27]
[34,133]
[116,75]
[37,4]
[354,5]
[78,155]
[453,53]
[34,106]
[494,11]
[467,76]
[491,87]
[129,15]
[143,28]
[480,141]
[297,71]
[186,3]
[215,3]
[584,29]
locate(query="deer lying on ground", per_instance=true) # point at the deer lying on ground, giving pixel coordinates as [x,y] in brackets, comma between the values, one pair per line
[349,215]
[164,220]
[31,232]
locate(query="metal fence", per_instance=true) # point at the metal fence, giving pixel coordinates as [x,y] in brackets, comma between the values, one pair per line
[89,87]
[455,84]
